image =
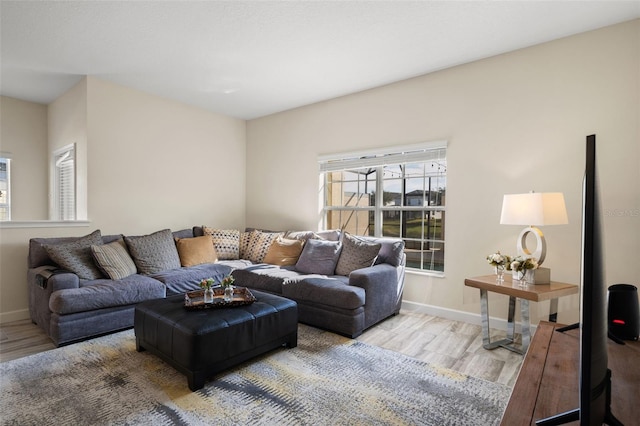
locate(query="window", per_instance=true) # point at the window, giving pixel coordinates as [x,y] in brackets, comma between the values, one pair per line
[399,192]
[64,184]
[5,187]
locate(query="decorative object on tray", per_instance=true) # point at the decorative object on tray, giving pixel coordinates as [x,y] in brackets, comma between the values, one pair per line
[207,285]
[194,300]
[523,268]
[227,285]
[500,262]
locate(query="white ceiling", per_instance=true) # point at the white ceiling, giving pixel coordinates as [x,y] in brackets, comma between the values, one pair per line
[248,59]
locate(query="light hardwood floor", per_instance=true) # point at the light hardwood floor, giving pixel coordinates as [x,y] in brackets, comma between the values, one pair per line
[451,344]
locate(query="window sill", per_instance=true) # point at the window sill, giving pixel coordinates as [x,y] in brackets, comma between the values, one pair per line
[435,274]
[43,223]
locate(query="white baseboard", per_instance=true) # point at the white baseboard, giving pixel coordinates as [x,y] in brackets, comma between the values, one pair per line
[18,315]
[452,314]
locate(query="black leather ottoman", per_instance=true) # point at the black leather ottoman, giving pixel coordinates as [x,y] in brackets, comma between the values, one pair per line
[204,342]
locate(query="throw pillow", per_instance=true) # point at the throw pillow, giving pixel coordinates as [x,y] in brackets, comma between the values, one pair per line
[76,256]
[284,251]
[259,244]
[154,253]
[245,238]
[196,251]
[225,241]
[356,253]
[302,235]
[319,257]
[114,260]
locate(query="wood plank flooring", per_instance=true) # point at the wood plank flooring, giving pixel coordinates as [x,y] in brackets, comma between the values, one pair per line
[451,344]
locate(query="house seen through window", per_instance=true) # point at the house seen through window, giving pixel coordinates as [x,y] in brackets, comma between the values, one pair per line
[398,194]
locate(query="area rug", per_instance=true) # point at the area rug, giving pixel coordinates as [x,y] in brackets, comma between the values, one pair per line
[327,379]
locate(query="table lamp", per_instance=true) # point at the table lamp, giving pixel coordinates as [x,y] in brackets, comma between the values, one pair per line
[534,209]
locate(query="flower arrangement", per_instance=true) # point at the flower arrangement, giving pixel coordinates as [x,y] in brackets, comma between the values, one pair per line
[499,259]
[207,283]
[521,264]
[227,281]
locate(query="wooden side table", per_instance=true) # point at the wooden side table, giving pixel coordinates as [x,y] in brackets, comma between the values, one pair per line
[526,293]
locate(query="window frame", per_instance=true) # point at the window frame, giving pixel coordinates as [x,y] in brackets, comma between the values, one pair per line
[378,160]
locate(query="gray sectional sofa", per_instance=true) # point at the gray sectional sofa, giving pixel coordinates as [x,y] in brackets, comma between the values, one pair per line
[87,286]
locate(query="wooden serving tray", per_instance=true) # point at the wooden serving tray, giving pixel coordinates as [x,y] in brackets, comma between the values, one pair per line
[194,300]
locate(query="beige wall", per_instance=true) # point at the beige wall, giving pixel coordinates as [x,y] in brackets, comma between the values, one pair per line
[67,121]
[23,134]
[151,164]
[514,123]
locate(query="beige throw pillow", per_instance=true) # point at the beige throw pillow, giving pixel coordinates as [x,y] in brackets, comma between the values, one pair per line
[284,251]
[196,251]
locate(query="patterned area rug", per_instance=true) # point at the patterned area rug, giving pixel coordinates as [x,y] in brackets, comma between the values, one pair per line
[327,379]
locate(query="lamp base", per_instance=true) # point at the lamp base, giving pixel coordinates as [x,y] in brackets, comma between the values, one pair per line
[536,276]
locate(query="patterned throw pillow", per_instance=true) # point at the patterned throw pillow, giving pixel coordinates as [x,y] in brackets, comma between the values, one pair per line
[245,238]
[154,253]
[356,253]
[225,241]
[259,244]
[114,260]
[196,251]
[76,256]
[319,257]
[284,251]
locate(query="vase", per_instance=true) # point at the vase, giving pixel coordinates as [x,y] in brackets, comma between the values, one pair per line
[208,295]
[500,273]
[228,293]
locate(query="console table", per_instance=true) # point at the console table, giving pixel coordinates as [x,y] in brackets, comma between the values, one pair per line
[548,380]
[526,293]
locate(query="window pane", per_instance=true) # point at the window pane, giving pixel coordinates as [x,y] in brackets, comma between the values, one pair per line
[391,223]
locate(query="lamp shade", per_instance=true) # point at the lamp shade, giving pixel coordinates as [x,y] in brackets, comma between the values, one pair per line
[534,209]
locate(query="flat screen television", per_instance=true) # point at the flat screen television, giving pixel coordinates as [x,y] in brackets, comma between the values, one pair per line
[595,378]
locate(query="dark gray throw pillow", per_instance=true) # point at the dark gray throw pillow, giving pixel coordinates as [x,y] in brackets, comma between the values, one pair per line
[76,256]
[319,257]
[356,253]
[153,253]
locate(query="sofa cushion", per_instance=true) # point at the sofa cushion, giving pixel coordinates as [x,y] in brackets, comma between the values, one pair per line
[105,293]
[284,251]
[319,257]
[356,253]
[114,259]
[154,252]
[196,251]
[259,244]
[76,256]
[182,280]
[325,291]
[225,241]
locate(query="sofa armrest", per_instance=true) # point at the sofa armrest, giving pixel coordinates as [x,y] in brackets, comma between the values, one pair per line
[383,290]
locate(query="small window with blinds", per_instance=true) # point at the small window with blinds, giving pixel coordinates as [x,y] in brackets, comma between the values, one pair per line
[64,183]
[5,187]
[396,192]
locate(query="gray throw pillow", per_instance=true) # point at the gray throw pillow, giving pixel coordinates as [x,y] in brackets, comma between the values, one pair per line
[356,253]
[319,257]
[76,256]
[154,253]
[114,259]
